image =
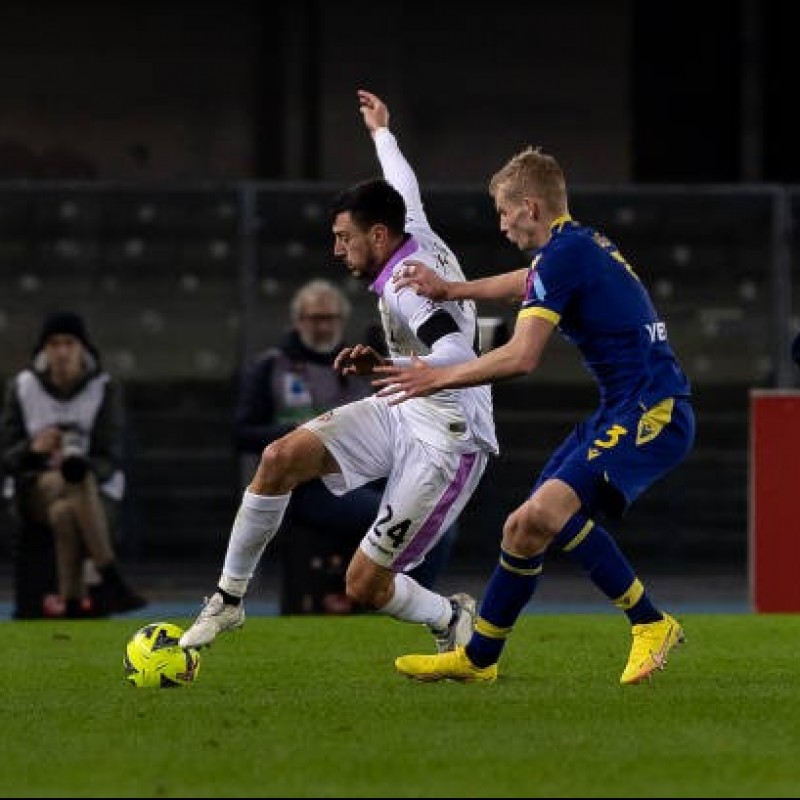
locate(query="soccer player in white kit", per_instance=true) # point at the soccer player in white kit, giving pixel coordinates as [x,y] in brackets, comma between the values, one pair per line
[432,451]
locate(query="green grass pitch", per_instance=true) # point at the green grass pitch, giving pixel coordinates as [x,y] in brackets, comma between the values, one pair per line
[312,707]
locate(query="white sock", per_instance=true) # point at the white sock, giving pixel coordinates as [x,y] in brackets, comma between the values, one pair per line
[257,521]
[414,603]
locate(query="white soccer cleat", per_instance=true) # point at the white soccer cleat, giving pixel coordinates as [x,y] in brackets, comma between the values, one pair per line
[215,618]
[459,631]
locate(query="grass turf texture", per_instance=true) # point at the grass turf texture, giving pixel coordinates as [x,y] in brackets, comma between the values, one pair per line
[312,707]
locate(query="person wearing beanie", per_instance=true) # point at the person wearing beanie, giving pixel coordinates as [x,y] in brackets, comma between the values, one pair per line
[61,434]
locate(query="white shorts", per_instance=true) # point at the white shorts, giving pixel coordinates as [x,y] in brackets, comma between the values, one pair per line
[426,488]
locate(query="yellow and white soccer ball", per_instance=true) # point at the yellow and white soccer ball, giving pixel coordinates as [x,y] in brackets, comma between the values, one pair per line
[154,659]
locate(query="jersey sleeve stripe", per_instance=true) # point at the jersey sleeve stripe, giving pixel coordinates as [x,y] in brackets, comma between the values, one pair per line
[538,311]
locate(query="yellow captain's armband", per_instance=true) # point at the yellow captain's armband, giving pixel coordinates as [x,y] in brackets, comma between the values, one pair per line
[538,311]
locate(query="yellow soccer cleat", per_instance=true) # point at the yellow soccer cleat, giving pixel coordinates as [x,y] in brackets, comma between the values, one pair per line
[652,642]
[453,665]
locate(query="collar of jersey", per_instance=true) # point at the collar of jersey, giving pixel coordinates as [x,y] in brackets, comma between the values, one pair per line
[406,250]
[558,224]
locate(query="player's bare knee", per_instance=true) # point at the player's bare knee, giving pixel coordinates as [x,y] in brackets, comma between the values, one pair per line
[526,531]
[279,469]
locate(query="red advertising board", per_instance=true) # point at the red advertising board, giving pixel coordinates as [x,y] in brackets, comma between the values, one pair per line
[774,501]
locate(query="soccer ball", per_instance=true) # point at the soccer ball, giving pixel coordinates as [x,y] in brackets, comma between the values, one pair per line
[153,658]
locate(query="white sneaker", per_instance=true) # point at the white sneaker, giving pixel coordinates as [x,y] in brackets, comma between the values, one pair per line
[459,631]
[215,618]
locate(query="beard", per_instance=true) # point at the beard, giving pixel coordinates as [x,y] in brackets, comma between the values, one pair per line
[321,346]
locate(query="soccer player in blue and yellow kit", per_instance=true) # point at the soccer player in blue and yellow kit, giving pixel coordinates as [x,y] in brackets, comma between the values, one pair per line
[580,284]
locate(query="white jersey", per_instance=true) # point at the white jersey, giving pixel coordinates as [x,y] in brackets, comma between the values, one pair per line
[455,416]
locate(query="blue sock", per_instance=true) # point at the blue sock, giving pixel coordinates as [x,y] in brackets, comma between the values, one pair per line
[588,544]
[511,586]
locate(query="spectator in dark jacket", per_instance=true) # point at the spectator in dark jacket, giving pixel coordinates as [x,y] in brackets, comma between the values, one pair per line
[62,443]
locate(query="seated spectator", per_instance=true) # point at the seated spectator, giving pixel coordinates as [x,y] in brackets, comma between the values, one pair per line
[291,383]
[62,435]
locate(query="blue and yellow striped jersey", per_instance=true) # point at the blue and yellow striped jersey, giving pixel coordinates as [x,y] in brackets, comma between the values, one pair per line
[581,282]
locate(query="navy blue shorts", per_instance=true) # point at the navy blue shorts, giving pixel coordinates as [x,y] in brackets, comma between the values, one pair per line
[613,456]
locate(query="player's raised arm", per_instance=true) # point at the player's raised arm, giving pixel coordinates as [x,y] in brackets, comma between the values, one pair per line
[394,165]
[374,111]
